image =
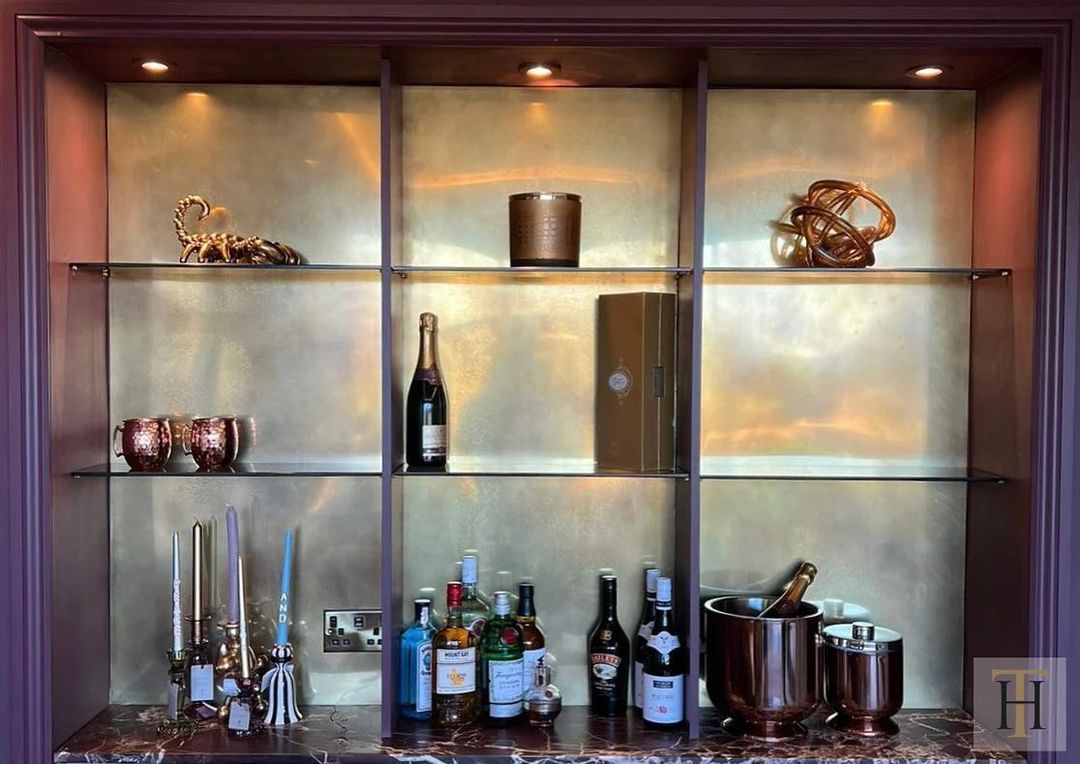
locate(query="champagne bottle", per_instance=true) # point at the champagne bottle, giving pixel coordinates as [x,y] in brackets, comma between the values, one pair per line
[502,656]
[609,656]
[456,696]
[426,409]
[666,662]
[787,604]
[641,638]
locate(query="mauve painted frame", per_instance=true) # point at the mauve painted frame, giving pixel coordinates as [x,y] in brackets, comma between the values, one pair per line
[26,26]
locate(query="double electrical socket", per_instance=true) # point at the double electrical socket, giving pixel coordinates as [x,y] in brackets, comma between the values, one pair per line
[352,631]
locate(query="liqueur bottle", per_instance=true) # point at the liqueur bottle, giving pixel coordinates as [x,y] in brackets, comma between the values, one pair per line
[609,656]
[787,604]
[415,687]
[531,636]
[474,613]
[456,697]
[426,408]
[502,656]
[666,662]
[648,611]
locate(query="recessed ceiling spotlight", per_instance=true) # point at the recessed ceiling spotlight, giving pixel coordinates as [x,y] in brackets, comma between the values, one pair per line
[153,66]
[927,71]
[539,71]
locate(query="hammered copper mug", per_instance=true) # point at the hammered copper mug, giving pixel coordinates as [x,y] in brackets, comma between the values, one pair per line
[212,441]
[144,442]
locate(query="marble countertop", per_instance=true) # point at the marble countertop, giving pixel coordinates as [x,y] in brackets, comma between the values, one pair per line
[350,735]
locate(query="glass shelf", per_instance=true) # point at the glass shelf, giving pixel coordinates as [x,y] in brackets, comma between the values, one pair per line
[716,468]
[404,270]
[463,466]
[864,273]
[359,468]
[105,268]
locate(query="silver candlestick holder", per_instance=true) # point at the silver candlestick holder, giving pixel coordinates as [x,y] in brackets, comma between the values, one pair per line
[279,687]
[175,721]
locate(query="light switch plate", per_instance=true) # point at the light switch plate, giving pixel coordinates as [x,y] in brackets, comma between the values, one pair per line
[352,631]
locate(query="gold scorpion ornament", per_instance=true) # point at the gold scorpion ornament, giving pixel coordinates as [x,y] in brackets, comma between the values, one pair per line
[227,247]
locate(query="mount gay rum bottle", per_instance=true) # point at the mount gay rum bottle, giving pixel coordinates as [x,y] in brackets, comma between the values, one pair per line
[609,656]
[456,696]
[426,410]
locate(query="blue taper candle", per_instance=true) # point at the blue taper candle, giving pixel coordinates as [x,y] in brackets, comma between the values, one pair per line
[283,600]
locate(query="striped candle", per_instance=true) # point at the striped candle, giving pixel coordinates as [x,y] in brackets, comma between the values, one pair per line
[283,600]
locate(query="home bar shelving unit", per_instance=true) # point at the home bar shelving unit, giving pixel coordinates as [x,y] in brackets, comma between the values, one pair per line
[907,426]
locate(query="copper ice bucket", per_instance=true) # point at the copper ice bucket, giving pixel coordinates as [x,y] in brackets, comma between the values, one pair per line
[763,673]
[545,229]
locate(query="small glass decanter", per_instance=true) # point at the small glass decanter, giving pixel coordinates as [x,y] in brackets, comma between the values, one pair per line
[543,701]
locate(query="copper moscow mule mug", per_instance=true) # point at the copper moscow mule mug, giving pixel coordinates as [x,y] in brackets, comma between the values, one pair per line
[144,442]
[212,441]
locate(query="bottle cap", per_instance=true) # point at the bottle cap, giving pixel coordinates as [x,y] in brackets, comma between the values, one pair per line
[468,569]
[429,321]
[422,608]
[501,603]
[650,579]
[453,594]
[663,589]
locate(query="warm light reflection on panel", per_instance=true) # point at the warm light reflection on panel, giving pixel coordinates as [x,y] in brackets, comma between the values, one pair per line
[892,552]
[518,355]
[467,149]
[297,352]
[834,370]
[295,164]
[337,565]
[557,532]
[916,148]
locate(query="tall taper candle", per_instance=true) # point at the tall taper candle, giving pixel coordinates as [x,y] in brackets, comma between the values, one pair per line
[233,534]
[283,600]
[196,577]
[245,665]
[177,615]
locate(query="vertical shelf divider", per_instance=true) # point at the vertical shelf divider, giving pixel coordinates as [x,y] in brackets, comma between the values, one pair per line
[391,579]
[688,492]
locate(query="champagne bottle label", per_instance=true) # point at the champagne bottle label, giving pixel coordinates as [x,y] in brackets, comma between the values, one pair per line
[433,439]
[663,642]
[645,630]
[456,671]
[639,689]
[505,688]
[201,686]
[423,677]
[532,657]
[663,699]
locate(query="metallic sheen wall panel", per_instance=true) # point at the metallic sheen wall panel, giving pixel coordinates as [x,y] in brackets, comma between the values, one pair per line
[915,148]
[336,566]
[557,532]
[294,164]
[518,354]
[896,549]
[806,371]
[297,352]
[467,149]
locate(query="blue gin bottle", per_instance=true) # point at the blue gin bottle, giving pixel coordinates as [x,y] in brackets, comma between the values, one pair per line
[415,688]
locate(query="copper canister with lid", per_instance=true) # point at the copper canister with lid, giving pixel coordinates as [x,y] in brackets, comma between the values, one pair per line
[864,677]
[545,229]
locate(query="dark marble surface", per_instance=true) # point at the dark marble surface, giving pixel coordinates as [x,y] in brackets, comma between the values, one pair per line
[350,734]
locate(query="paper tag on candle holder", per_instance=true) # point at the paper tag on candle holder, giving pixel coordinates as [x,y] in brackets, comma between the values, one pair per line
[172,700]
[239,716]
[201,685]
[230,687]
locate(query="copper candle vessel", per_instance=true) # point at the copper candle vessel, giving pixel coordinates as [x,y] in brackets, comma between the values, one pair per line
[864,677]
[545,229]
[213,442]
[764,673]
[144,442]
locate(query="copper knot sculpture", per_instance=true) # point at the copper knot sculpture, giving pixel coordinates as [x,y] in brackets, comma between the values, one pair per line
[227,247]
[822,231]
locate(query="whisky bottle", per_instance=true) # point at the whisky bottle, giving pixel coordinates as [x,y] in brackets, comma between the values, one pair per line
[426,410]
[456,697]
[415,687]
[665,665]
[474,613]
[532,637]
[501,660]
[787,604]
[609,656]
[641,638]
